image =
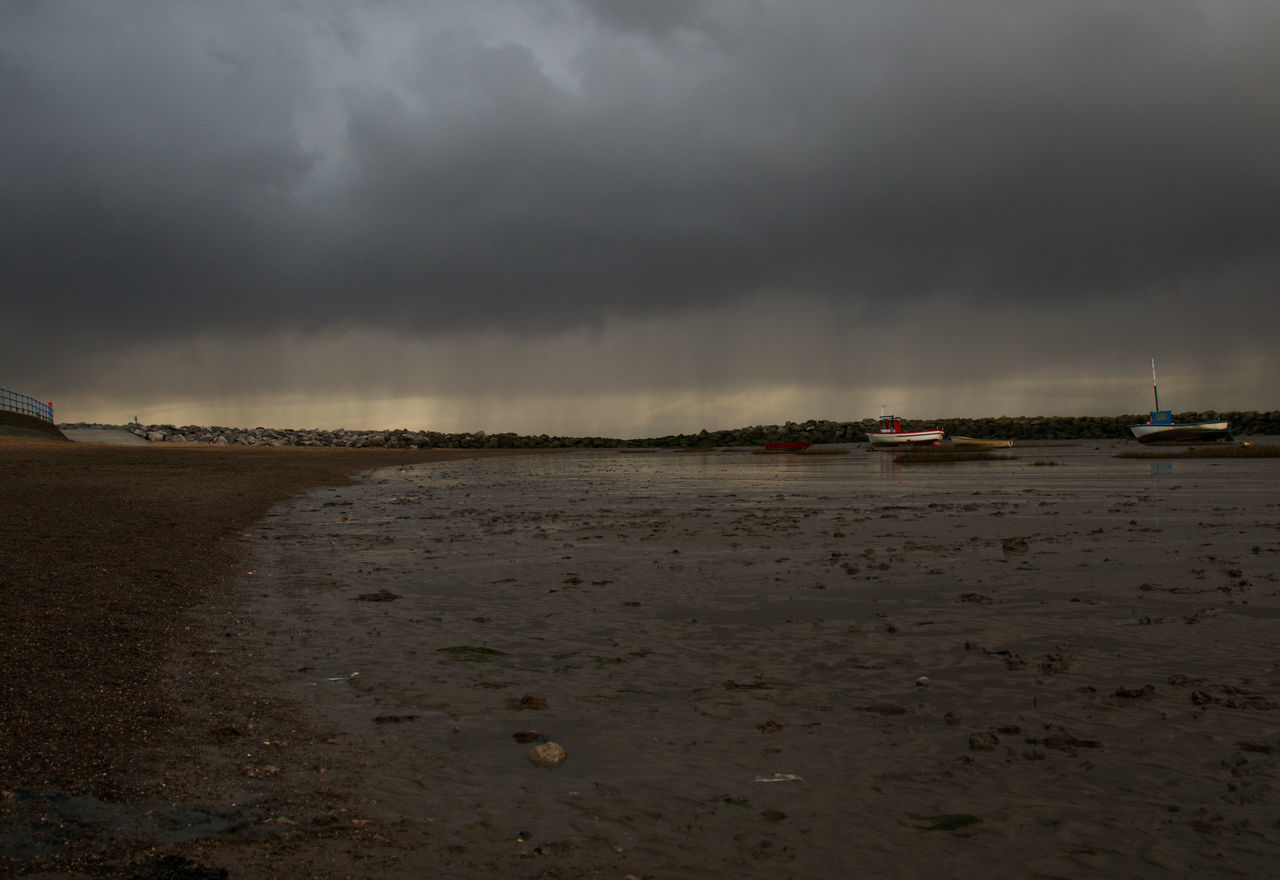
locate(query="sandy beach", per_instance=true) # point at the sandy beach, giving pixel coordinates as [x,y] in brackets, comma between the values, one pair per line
[1063,664]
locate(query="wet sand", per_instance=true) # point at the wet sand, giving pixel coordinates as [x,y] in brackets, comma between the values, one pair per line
[1061,665]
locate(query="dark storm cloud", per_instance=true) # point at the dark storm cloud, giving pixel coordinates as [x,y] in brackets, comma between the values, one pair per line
[655,18]
[171,168]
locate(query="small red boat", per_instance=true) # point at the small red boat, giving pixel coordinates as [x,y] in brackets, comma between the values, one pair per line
[787,445]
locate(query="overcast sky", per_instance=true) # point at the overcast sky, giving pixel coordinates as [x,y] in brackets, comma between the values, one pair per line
[633,218]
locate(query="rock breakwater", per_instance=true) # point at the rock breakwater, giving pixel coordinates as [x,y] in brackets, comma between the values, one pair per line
[1024,428]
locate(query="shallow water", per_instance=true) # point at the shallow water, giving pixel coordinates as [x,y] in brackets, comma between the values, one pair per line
[695,621]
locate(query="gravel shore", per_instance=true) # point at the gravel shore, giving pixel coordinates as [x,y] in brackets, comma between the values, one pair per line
[108,552]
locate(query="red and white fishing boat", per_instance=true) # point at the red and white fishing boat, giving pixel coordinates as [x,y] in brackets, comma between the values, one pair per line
[889,433]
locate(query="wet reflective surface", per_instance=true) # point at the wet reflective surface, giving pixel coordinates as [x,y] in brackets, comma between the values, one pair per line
[685,623]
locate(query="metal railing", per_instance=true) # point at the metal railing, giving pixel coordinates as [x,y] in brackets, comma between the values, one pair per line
[25,404]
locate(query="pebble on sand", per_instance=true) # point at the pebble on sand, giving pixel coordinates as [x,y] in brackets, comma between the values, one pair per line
[547,754]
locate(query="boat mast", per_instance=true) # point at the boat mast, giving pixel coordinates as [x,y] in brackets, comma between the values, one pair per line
[1154,389]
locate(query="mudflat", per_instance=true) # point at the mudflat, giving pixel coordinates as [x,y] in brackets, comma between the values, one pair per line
[1059,664]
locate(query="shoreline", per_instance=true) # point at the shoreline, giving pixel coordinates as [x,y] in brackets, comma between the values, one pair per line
[818,431]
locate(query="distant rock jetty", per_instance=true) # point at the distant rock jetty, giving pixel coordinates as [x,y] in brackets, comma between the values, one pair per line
[1024,428]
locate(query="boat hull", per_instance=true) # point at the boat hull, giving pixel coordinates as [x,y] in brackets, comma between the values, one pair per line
[931,437]
[1181,432]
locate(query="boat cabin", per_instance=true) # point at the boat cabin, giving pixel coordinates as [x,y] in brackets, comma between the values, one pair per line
[890,425]
[1161,417]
